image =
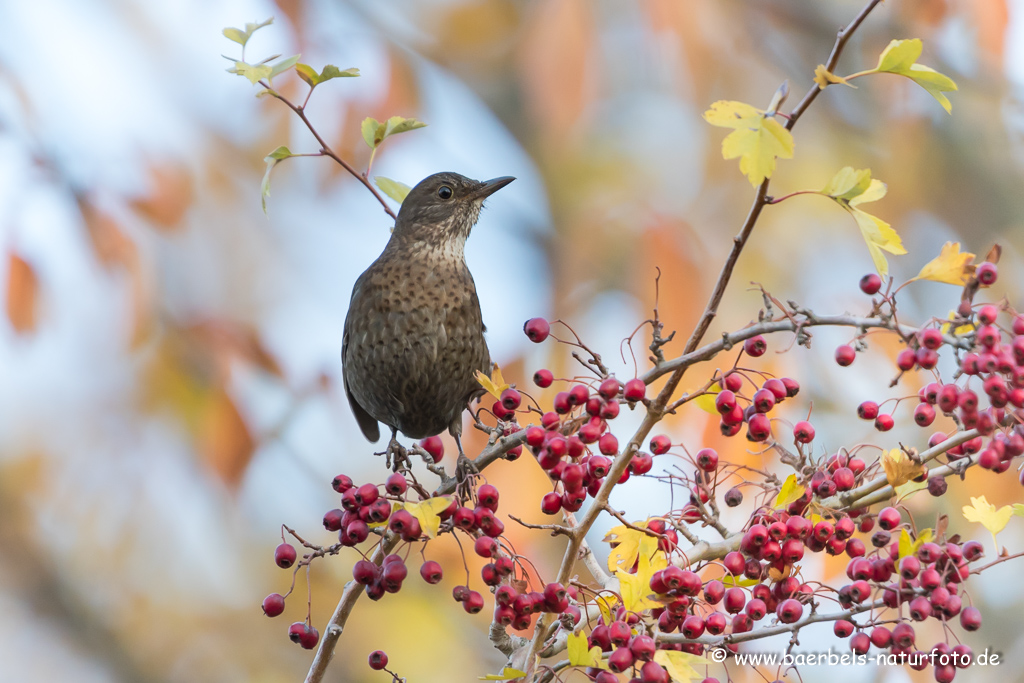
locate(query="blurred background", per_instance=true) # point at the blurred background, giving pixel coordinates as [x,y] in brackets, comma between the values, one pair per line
[170,388]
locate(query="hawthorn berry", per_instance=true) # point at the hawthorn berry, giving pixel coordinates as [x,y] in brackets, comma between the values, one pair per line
[733,497]
[431,572]
[284,555]
[986,273]
[434,447]
[660,444]
[635,390]
[845,355]
[755,346]
[870,284]
[543,378]
[341,483]
[273,604]
[378,660]
[537,329]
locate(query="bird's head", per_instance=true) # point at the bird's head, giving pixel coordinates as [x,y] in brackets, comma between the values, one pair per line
[444,207]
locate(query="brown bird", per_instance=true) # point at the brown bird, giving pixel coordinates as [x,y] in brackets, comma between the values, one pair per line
[414,334]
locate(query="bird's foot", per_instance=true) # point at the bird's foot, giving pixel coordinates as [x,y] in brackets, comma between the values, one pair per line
[396,457]
[466,474]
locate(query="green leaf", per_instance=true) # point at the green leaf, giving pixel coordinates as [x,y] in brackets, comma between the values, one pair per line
[242,37]
[309,74]
[899,55]
[371,128]
[375,132]
[272,160]
[398,124]
[330,71]
[392,188]
[255,73]
[284,65]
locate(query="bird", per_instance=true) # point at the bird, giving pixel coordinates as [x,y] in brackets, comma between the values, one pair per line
[414,333]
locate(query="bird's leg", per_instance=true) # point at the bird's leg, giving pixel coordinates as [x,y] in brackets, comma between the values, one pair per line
[466,472]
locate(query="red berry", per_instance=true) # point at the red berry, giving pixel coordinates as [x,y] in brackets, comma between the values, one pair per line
[431,572]
[733,497]
[707,459]
[608,444]
[273,604]
[789,611]
[763,400]
[473,603]
[284,555]
[755,346]
[970,619]
[870,284]
[537,329]
[434,447]
[543,378]
[635,390]
[924,414]
[930,338]
[332,520]
[485,546]
[378,660]
[759,428]
[660,444]
[488,497]
[342,483]
[803,432]
[906,359]
[987,273]
[884,423]
[842,628]
[845,355]
[510,399]
[889,518]
[396,484]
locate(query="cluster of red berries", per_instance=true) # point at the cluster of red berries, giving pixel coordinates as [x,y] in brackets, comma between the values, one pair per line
[628,650]
[926,583]
[569,458]
[755,414]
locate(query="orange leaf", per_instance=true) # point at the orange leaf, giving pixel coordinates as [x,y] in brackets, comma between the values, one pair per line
[169,197]
[224,441]
[22,294]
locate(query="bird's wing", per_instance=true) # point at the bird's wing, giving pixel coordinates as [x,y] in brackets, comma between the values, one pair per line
[368,425]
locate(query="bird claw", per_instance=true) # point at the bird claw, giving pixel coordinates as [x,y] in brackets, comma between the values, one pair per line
[396,457]
[466,473]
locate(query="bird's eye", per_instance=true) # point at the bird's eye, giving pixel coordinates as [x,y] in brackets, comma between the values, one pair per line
[444,192]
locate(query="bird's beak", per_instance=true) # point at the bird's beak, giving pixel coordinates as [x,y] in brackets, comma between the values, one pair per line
[489,187]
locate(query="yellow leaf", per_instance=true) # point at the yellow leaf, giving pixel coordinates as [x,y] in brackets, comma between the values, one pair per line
[879,237]
[900,57]
[427,513]
[679,665]
[899,468]
[604,605]
[625,554]
[983,512]
[787,571]
[579,655]
[495,384]
[824,78]
[636,592]
[852,187]
[963,329]
[789,493]
[950,266]
[706,401]
[731,580]
[1018,509]
[848,183]
[254,72]
[910,547]
[507,674]
[757,139]
[392,188]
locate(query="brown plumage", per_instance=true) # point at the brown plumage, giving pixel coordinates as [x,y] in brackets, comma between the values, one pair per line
[414,334]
